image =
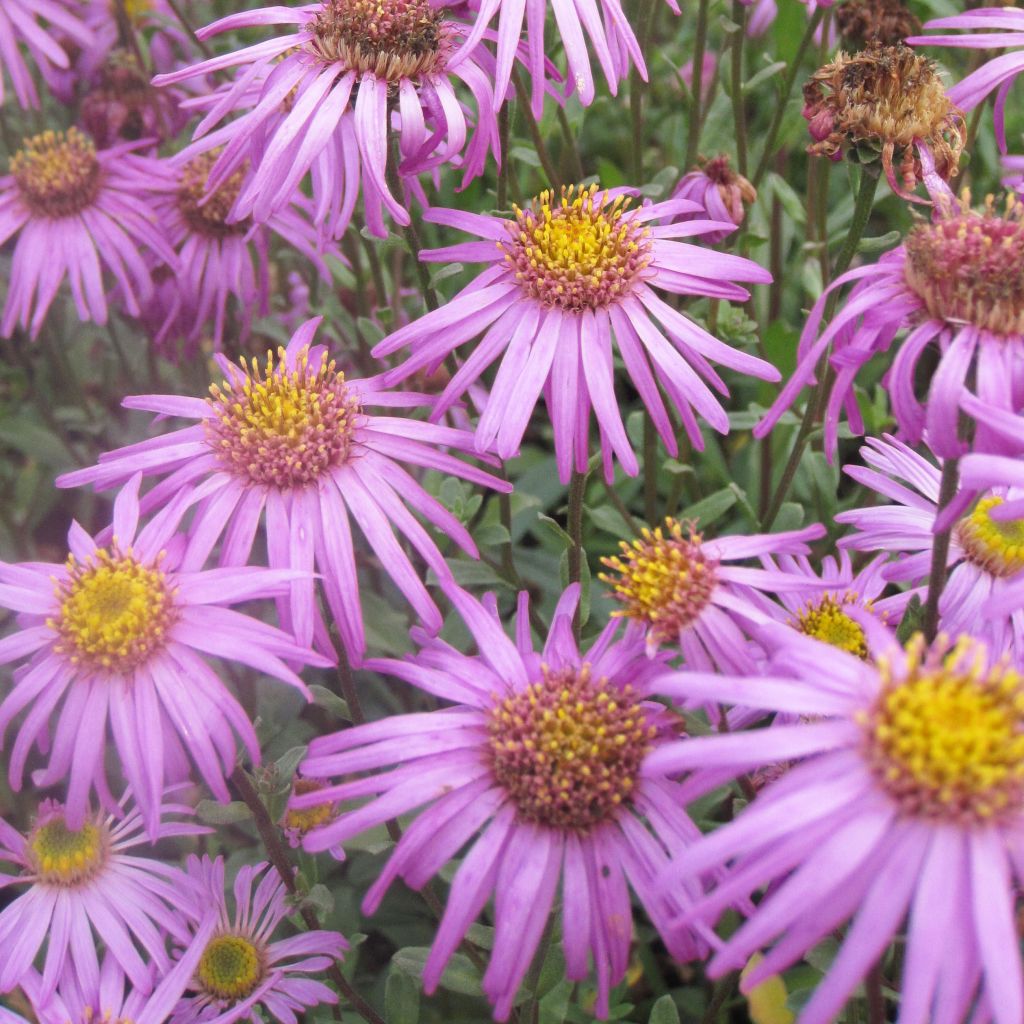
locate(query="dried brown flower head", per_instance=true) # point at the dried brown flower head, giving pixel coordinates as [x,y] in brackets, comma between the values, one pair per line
[884,104]
[862,22]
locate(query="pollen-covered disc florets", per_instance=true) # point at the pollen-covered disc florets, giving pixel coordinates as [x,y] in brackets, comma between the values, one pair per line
[568,748]
[393,39]
[63,856]
[880,103]
[825,620]
[580,251]
[114,612]
[945,736]
[997,546]
[664,579]
[282,426]
[968,266]
[209,216]
[298,821]
[231,967]
[57,173]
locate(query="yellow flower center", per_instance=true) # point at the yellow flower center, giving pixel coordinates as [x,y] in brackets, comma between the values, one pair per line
[209,217]
[993,545]
[393,39]
[947,740]
[231,967]
[825,620]
[579,252]
[303,820]
[61,856]
[664,579]
[114,612]
[57,173]
[568,748]
[969,267]
[281,427]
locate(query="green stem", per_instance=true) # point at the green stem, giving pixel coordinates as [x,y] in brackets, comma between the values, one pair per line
[503,136]
[523,96]
[940,550]
[577,491]
[638,86]
[739,109]
[650,470]
[699,45]
[187,26]
[861,213]
[570,143]
[720,994]
[787,88]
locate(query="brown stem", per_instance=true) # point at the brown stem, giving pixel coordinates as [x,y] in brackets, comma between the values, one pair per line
[940,549]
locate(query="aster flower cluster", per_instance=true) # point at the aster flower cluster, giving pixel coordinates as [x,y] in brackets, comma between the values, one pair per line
[437,578]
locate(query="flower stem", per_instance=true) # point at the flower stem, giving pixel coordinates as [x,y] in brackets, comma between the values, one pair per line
[861,213]
[699,46]
[940,549]
[204,48]
[650,470]
[523,96]
[787,88]
[739,110]
[577,491]
[720,995]
[279,858]
[503,136]
[570,142]
[638,88]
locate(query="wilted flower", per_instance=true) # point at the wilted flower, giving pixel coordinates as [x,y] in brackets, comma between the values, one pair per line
[862,22]
[722,192]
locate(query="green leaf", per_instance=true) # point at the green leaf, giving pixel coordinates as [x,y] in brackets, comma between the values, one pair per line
[401,997]
[320,899]
[459,976]
[709,509]
[451,270]
[555,529]
[610,520]
[491,535]
[763,75]
[211,812]
[289,761]
[555,1005]
[790,517]
[330,701]
[912,621]
[664,1011]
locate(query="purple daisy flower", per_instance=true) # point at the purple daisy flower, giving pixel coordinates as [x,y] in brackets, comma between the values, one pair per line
[719,191]
[86,885]
[293,439]
[906,804]
[541,764]
[995,28]
[955,283]
[985,555]
[682,590]
[77,212]
[565,277]
[220,257]
[104,997]
[833,615]
[116,637]
[241,969]
[37,24]
[324,106]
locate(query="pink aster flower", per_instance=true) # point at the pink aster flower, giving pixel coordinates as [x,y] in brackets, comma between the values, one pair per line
[719,191]
[116,638]
[37,25]
[955,283]
[565,277]
[105,997]
[326,106]
[994,28]
[985,557]
[292,439]
[903,813]
[681,588]
[86,885]
[222,258]
[242,970]
[77,212]
[542,795]
[833,615]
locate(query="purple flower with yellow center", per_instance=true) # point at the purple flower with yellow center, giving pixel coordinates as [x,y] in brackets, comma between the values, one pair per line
[242,970]
[291,438]
[956,285]
[565,277]
[991,28]
[36,25]
[222,258]
[86,885]
[683,591]
[116,638]
[986,553]
[76,213]
[326,106]
[539,765]
[903,813]
[105,997]
[833,615]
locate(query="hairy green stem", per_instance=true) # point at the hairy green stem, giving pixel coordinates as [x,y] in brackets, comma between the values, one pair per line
[739,108]
[523,96]
[940,550]
[696,99]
